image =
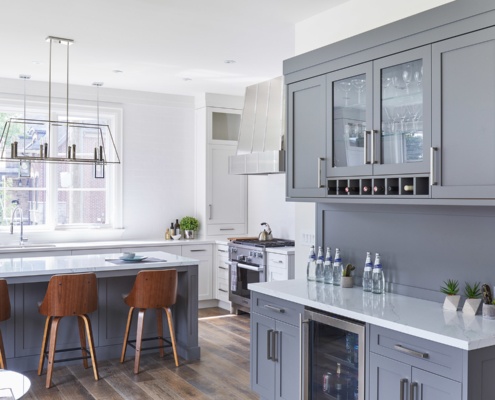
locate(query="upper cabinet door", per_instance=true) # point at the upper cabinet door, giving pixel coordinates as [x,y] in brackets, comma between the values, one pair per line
[402,113]
[306,138]
[349,108]
[464,117]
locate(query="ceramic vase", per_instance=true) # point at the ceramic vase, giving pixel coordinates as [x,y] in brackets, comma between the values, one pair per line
[488,311]
[471,306]
[347,282]
[451,302]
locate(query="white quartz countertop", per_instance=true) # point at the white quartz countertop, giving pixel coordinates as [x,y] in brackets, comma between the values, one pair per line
[281,250]
[422,318]
[21,269]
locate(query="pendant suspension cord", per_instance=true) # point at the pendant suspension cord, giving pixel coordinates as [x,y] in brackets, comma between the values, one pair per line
[50,92]
[25,79]
[67,116]
[98,108]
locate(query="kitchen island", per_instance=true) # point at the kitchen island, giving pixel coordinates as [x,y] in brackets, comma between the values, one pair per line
[411,344]
[28,279]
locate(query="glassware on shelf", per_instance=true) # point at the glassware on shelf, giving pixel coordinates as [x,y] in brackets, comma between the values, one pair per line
[346,87]
[359,84]
[407,76]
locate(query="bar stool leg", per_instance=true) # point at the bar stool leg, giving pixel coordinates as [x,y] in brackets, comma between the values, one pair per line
[159,327]
[46,333]
[139,339]
[126,335]
[172,334]
[3,361]
[89,332]
[82,337]
[51,352]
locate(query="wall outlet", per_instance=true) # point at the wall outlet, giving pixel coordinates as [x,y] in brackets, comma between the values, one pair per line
[308,238]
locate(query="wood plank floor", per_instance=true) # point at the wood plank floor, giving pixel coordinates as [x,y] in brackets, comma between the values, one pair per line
[222,372]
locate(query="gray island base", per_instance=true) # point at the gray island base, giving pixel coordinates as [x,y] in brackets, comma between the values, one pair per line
[28,279]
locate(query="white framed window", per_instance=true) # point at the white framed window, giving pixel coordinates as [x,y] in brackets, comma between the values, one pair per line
[61,195]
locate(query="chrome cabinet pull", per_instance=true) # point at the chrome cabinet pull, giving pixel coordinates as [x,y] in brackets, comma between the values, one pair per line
[273,308]
[403,383]
[209,208]
[196,250]
[268,344]
[366,133]
[413,386]
[373,150]
[227,229]
[275,346]
[410,352]
[433,151]
[222,251]
[223,290]
[320,159]
[223,268]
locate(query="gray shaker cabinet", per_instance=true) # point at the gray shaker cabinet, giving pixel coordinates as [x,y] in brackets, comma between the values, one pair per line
[306,138]
[463,117]
[275,348]
[394,380]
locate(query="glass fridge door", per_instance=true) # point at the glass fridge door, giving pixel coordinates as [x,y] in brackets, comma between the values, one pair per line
[335,360]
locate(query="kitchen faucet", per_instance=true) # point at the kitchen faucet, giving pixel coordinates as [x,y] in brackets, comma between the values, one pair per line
[17,209]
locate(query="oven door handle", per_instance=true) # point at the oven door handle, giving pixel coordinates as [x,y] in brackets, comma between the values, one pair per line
[251,267]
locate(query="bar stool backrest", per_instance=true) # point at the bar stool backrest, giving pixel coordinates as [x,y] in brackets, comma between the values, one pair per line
[153,289]
[4,301]
[70,294]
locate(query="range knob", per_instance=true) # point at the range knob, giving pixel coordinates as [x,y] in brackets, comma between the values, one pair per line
[241,258]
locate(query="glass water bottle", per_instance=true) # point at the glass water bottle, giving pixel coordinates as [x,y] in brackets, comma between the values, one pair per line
[311,270]
[378,284]
[337,268]
[367,274]
[327,267]
[319,265]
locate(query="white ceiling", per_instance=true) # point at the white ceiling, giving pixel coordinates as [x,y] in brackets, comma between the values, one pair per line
[156,43]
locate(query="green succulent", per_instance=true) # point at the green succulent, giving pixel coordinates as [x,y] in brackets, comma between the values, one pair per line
[472,292]
[451,287]
[348,269]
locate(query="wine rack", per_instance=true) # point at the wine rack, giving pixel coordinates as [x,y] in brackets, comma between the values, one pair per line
[396,186]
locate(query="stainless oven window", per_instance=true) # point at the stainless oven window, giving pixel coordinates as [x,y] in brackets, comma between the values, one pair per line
[242,274]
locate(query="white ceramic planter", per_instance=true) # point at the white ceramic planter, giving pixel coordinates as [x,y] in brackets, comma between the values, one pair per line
[347,282]
[451,302]
[471,306]
[488,311]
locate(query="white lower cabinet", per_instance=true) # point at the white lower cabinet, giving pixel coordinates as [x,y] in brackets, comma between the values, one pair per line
[280,266]
[221,273]
[203,253]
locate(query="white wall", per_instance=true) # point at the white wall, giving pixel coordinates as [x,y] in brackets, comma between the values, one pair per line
[354,17]
[346,20]
[158,146]
[266,203]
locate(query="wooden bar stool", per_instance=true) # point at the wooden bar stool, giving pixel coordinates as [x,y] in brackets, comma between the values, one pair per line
[152,289]
[4,315]
[68,295]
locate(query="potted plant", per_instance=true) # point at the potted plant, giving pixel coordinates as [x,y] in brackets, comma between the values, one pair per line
[347,279]
[189,225]
[451,288]
[488,302]
[473,298]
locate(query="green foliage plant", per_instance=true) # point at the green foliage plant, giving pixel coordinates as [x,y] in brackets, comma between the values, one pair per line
[472,291]
[189,224]
[451,287]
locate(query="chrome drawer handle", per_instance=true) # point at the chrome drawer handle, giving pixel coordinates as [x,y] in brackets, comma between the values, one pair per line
[277,309]
[222,251]
[223,268]
[410,352]
[227,229]
[196,250]
[223,290]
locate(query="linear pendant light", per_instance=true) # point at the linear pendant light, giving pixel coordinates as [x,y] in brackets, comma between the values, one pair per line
[49,144]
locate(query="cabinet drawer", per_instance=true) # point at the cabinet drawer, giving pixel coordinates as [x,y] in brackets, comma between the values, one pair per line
[422,353]
[281,310]
[226,229]
[198,251]
[276,259]
[223,290]
[222,273]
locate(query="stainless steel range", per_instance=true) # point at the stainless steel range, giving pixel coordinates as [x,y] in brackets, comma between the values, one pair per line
[247,259]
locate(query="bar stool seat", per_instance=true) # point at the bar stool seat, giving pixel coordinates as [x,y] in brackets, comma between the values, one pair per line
[4,315]
[152,289]
[68,295]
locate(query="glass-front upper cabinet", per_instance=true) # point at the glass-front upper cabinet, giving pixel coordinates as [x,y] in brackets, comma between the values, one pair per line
[402,113]
[380,116]
[349,102]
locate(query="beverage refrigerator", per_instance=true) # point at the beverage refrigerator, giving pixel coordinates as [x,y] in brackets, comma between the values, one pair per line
[333,357]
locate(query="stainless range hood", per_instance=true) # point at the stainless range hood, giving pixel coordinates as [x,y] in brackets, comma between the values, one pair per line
[260,148]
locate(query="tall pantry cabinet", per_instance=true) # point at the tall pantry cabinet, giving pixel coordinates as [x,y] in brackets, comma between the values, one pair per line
[221,198]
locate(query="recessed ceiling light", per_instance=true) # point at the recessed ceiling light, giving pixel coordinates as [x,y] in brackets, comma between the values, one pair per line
[229,61]
[118,71]
[37,62]
[187,79]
